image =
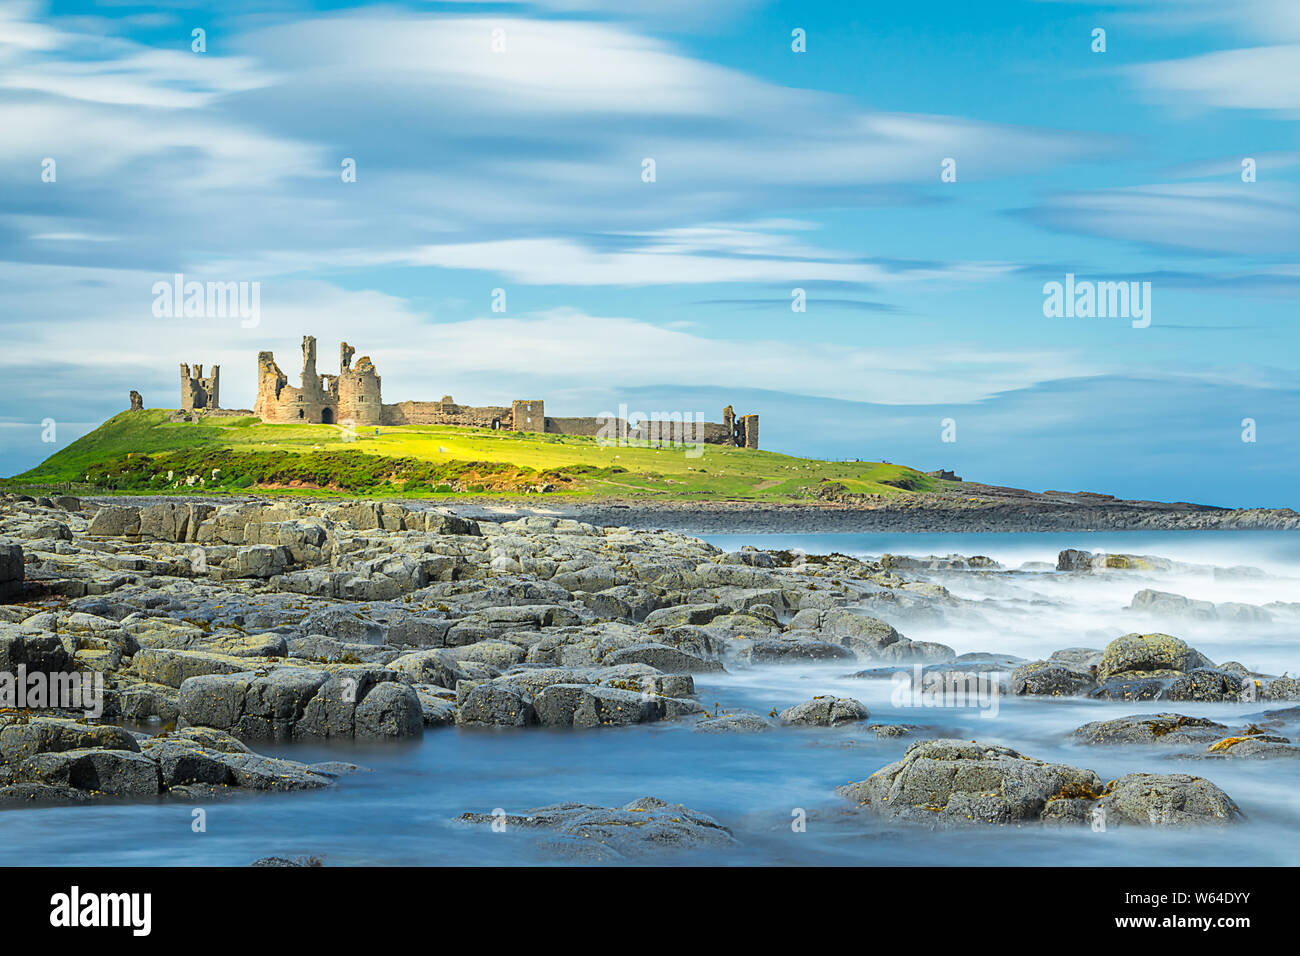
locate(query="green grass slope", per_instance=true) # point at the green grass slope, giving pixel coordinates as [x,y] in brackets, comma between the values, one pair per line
[143,452]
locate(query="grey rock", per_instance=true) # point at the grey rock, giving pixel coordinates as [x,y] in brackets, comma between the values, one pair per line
[390,710]
[1148,652]
[639,829]
[113,521]
[182,762]
[1163,729]
[111,772]
[12,569]
[256,772]
[670,660]
[41,734]
[958,782]
[1176,799]
[1255,747]
[591,705]
[783,650]
[738,723]
[495,704]
[1050,679]
[826,712]
[1205,684]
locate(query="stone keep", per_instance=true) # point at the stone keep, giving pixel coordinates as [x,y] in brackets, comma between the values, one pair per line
[353,395]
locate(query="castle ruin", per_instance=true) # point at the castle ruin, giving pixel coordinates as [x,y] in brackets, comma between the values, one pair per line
[354,396]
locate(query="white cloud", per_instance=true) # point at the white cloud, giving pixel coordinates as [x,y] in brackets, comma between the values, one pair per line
[1247,219]
[680,257]
[1252,78]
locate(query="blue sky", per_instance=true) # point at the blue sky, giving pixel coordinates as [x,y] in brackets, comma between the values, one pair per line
[521,169]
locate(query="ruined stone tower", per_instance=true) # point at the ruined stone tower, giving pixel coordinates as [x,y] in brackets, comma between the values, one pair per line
[198,392]
[358,389]
[351,396]
[742,430]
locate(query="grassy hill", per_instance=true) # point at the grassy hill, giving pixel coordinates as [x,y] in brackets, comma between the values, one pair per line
[140,452]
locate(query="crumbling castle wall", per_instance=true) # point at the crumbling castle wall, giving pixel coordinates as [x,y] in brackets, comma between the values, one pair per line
[447,412]
[354,395]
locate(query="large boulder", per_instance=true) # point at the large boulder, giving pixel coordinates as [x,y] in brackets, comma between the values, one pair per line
[275,701]
[262,561]
[346,622]
[685,614]
[498,654]
[171,521]
[964,782]
[1206,684]
[592,705]
[1147,653]
[1072,559]
[495,704]
[1175,799]
[865,636]
[390,709]
[431,666]
[1050,679]
[116,522]
[1164,729]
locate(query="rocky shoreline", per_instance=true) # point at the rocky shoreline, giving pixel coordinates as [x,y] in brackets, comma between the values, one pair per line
[984,509]
[217,628]
[750,518]
[970,507]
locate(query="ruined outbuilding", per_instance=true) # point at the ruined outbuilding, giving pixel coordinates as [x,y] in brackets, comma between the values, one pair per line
[198,392]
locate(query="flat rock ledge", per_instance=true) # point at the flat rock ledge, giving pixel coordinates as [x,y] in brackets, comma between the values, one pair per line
[595,834]
[941,783]
[53,760]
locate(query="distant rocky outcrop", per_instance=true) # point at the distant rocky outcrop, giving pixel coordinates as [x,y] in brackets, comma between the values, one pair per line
[962,783]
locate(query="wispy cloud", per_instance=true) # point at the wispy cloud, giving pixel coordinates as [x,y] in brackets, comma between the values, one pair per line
[1243,219]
